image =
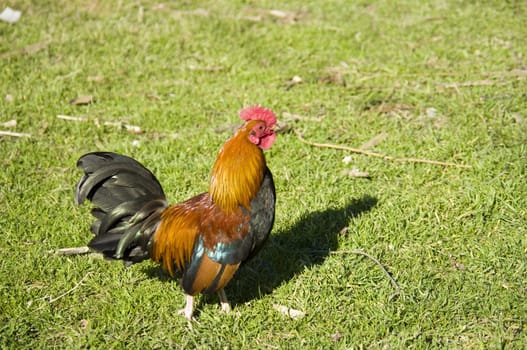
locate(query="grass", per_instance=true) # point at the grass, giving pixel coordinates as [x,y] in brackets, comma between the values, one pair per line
[444,80]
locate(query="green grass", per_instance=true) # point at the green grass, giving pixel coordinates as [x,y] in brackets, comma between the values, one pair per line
[445,80]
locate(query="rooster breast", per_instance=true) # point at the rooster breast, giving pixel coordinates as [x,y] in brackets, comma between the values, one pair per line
[226,241]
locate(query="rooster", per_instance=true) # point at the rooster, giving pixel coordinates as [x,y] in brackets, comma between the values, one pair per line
[204,239]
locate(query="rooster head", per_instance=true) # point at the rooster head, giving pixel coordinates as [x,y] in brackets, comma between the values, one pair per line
[261,122]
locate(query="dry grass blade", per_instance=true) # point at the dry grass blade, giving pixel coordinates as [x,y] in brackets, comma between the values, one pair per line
[376,261]
[25,50]
[9,124]
[72,118]
[294,314]
[52,300]
[82,100]
[379,155]
[259,15]
[132,129]
[13,134]
[71,251]
[374,141]
[356,173]
[293,81]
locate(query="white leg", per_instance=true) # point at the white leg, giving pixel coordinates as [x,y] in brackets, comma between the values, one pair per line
[189,308]
[224,302]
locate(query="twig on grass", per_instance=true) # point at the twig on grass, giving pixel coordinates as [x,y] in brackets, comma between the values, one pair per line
[376,261]
[72,118]
[14,134]
[76,251]
[71,251]
[132,129]
[485,82]
[378,155]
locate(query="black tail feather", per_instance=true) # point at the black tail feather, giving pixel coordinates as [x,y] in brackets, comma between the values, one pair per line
[106,243]
[128,202]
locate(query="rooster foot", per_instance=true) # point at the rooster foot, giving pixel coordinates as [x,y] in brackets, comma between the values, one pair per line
[224,302]
[188,311]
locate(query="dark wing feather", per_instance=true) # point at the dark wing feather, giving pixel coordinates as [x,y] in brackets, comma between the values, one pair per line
[262,216]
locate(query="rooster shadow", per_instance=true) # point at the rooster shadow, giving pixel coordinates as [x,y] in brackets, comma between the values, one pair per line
[288,252]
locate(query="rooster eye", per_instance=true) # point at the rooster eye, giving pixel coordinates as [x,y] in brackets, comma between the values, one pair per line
[260,127]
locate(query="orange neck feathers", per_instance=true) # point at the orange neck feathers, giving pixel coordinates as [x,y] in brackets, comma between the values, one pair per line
[238,171]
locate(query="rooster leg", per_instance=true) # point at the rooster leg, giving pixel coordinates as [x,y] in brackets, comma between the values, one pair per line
[224,302]
[189,308]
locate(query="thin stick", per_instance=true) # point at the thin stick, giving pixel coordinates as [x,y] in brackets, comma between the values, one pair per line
[77,251]
[132,129]
[375,260]
[378,155]
[14,134]
[71,251]
[52,300]
[69,117]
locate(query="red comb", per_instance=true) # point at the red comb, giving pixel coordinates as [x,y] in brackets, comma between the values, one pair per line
[258,113]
